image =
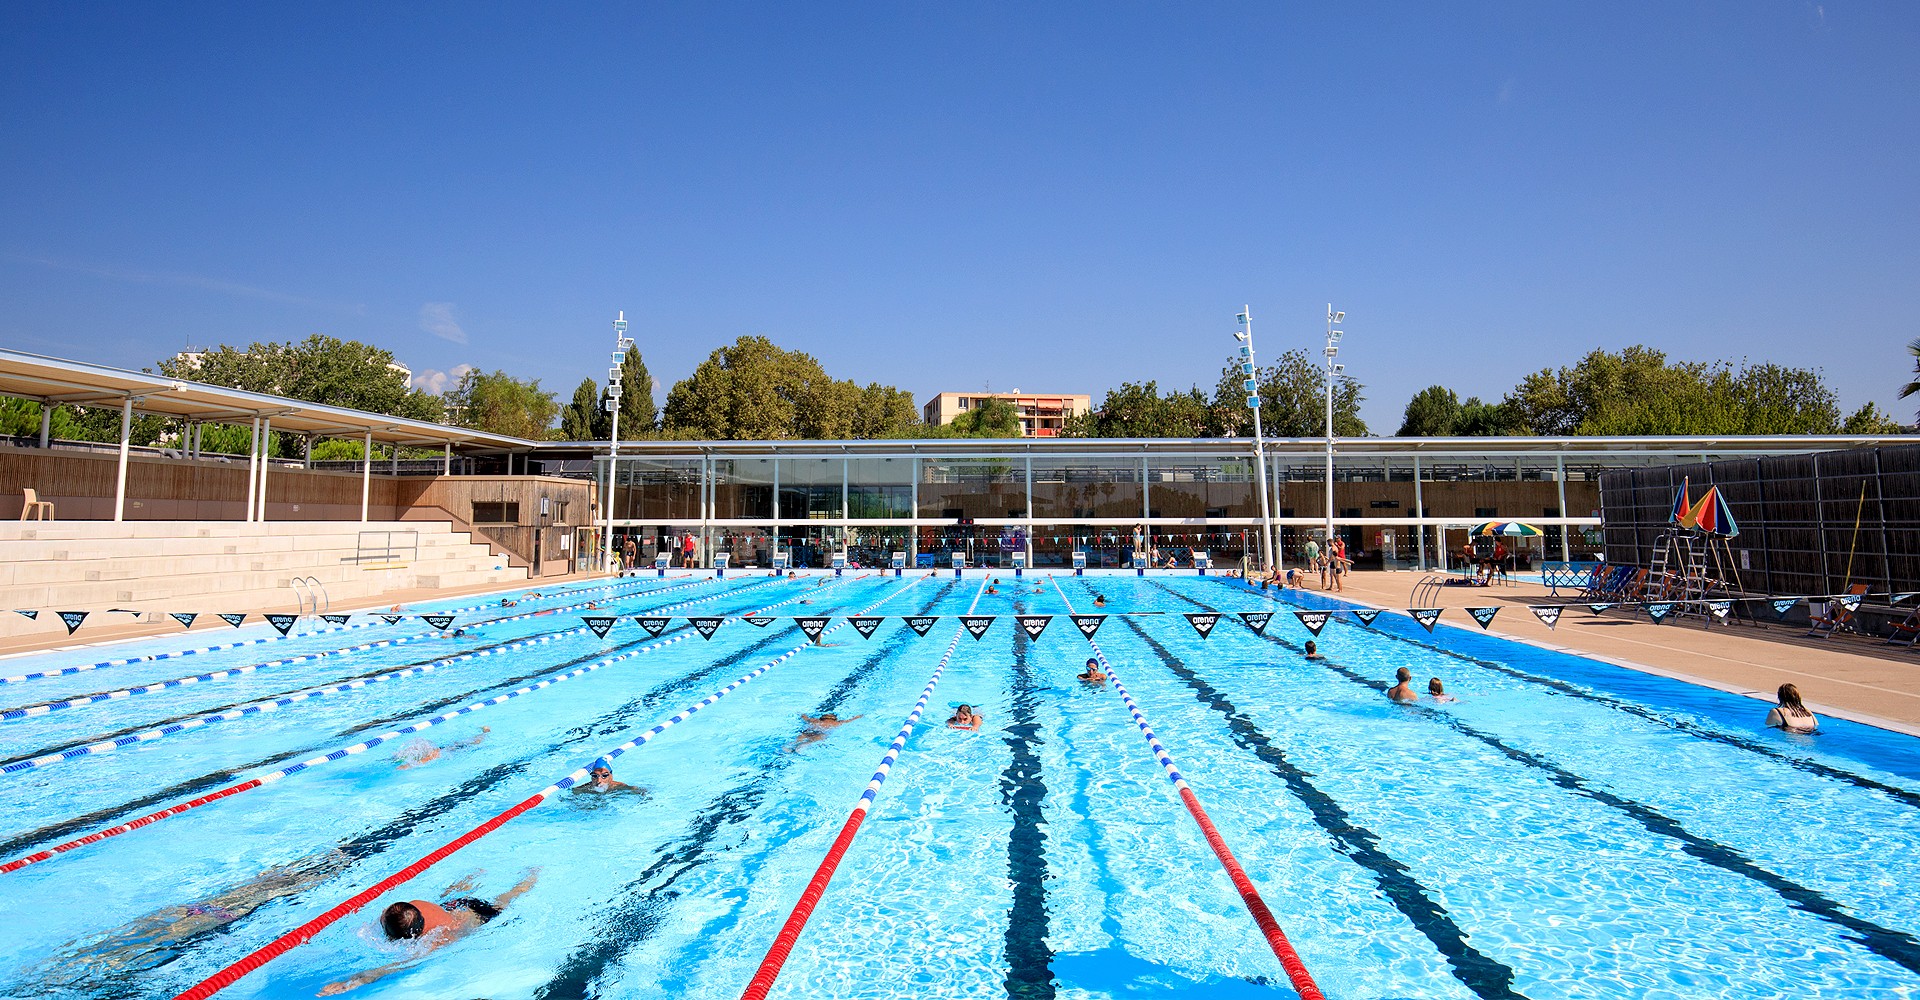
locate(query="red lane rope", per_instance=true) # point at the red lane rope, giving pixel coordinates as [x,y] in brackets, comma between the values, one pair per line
[1296,970]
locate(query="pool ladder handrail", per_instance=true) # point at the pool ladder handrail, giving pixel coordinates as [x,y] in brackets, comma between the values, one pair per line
[309,589]
[1428,589]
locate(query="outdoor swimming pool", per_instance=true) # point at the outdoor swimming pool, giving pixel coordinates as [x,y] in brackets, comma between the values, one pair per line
[1566,829]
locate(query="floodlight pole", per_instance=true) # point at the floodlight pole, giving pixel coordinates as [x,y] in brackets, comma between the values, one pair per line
[1251,383]
[621,342]
[1333,351]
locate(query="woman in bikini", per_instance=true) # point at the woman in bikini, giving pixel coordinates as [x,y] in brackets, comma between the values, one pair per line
[1791,715]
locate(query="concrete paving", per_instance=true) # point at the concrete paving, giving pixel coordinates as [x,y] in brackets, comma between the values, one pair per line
[1861,679]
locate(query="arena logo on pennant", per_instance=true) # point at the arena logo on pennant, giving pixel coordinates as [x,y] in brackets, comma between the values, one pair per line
[706,626]
[1313,620]
[234,620]
[1782,605]
[72,619]
[865,624]
[1088,624]
[1720,609]
[600,624]
[1203,622]
[1425,616]
[654,626]
[437,621]
[281,623]
[1257,620]
[812,626]
[976,624]
[389,619]
[921,624]
[185,618]
[1033,625]
[1659,610]
[336,619]
[1483,615]
[1547,613]
[761,621]
[31,615]
[1366,615]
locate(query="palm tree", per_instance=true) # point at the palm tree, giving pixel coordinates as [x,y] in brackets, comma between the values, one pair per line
[1913,348]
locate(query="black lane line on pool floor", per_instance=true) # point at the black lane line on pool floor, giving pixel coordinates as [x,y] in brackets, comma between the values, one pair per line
[1898,947]
[1487,977]
[187,789]
[257,699]
[1905,796]
[642,904]
[1023,788]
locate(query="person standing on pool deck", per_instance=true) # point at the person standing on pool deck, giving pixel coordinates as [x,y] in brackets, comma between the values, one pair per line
[433,924]
[1403,692]
[1791,715]
[1337,561]
[1312,556]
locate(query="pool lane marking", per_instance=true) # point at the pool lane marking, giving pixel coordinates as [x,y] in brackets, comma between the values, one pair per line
[357,748]
[1899,947]
[632,916]
[1487,977]
[763,978]
[305,932]
[150,657]
[1905,796]
[274,704]
[1296,970]
[30,711]
[1023,788]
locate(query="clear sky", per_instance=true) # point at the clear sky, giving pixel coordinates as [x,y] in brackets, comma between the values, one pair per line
[1057,197]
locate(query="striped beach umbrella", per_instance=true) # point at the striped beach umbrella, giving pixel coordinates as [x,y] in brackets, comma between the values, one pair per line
[1509,529]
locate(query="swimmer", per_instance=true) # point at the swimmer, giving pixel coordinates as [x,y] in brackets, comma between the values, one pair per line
[1438,691]
[817,728]
[1093,675]
[1313,652]
[421,750]
[508,602]
[1790,714]
[964,717]
[434,925]
[1403,692]
[1099,600]
[993,590]
[600,781]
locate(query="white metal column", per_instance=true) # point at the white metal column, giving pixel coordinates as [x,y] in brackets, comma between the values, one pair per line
[120,481]
[1560,478]
[1029,532]
[1420,512]
[46,423]
[446,460]
[266,452]
[366,476]
[913,533]
[253,464]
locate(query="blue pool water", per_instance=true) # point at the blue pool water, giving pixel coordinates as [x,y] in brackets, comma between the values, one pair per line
[1566,829]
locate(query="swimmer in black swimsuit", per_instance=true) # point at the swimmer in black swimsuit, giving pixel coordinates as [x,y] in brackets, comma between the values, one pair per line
[433,924]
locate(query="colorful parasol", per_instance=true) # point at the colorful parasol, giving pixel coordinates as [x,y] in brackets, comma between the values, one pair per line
[1712,515]
[1682,505]
[1511,529]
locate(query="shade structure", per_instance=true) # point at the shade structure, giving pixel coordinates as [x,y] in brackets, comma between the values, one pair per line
[1511,529]
[1711,514]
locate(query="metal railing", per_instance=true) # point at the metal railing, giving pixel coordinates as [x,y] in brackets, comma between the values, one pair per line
[308,590]
[385,546]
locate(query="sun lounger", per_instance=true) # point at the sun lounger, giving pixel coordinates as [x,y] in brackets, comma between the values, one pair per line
[1837,617]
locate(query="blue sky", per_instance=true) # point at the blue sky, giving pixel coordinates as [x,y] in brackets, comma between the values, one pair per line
[1057,197]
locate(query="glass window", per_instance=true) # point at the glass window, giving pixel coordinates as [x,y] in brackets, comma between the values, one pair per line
[1071,488]
[810,488]
[879,487]
[973,487]
[658,489]
[1203,487]
[743,488]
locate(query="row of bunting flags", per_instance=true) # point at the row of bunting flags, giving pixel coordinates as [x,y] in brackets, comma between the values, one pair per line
[282,622]
[1203,622]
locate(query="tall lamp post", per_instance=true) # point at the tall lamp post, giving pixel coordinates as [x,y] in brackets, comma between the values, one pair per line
[621,344]
[1333,369]
[1251,383]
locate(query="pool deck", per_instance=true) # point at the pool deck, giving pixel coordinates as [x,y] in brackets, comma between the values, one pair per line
[95,633]
[1862,680]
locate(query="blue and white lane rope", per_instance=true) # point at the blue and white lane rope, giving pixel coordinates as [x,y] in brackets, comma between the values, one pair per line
[29,711]
[789,935]
[150,657]
[306,932]
[369,743]
[107,746]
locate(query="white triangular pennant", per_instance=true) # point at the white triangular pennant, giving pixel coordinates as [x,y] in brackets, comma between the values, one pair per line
[1425,616]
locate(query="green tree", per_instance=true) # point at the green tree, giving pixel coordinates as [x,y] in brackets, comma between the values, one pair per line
[1293,399]
[1140,410]
[1912,386]
[319,369]
[755,390]
[1432,412]
[638,413]
[502,404]
[1871,419]
[1638,392]
[1483,419]
[992,418]
[584,418]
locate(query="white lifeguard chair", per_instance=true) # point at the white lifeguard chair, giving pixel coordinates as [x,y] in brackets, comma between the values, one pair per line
[1080,562]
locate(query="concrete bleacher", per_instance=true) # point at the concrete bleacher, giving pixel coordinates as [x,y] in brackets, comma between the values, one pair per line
[210,566]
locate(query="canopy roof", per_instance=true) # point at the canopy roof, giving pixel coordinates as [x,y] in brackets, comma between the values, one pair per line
[56,380]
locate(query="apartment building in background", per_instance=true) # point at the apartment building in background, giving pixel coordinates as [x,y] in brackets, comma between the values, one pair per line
[1041,414]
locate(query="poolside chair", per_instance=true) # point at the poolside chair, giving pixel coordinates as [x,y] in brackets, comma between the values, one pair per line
[1633,587]
[1837,616]
[34,507]
[1603,581]
[1903,633]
